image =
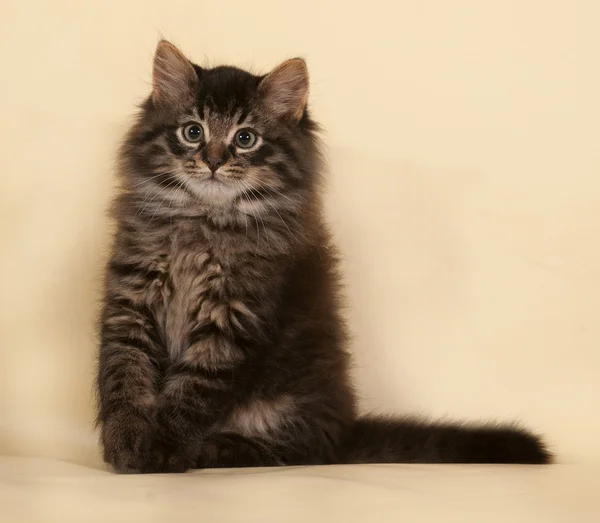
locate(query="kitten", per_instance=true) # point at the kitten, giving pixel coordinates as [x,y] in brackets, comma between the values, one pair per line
[221,339]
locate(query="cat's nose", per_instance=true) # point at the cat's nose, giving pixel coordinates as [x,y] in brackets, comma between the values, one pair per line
[214,162]
[215,155]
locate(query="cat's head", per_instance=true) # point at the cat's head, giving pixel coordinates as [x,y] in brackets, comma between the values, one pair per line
[221,139]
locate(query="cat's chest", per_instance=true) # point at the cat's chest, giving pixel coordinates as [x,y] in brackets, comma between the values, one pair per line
[195,288]
[217,286]
[194,271]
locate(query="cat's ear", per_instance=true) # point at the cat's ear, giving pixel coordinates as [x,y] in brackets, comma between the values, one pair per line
[174,79]
[285,89]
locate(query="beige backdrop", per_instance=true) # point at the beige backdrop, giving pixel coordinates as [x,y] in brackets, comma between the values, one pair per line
[465,193]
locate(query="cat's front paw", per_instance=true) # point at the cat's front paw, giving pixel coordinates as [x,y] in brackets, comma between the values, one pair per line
[169,458]
[128,441]
[177,444]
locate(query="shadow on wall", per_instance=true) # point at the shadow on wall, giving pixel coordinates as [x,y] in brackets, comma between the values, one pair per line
[397,225]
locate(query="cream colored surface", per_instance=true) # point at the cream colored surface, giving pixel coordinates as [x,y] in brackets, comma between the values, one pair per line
[465,193]
[37,491]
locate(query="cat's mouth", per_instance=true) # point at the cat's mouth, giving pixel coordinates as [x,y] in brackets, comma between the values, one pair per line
[210,177]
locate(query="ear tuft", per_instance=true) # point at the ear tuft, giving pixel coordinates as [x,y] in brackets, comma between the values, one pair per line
[285,89]
[174,78]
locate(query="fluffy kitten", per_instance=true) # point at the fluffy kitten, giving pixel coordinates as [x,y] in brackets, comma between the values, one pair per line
[221,339]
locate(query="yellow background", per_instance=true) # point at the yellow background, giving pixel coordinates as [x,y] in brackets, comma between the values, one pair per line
[463,139]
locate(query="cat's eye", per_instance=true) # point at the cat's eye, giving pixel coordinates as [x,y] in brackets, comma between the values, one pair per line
[193,132]
[245,138]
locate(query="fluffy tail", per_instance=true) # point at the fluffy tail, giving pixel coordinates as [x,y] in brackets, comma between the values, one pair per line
[382,440]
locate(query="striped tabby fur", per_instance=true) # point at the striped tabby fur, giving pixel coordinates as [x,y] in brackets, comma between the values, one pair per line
[221,340]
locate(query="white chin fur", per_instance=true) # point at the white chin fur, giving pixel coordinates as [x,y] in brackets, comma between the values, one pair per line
[213,191]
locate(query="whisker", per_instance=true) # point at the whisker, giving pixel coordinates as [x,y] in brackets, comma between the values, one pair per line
[181,188]
[153,177]
[245,196]
[149,192]
[281,218]
[296,222]
[174,182]
[256,217]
